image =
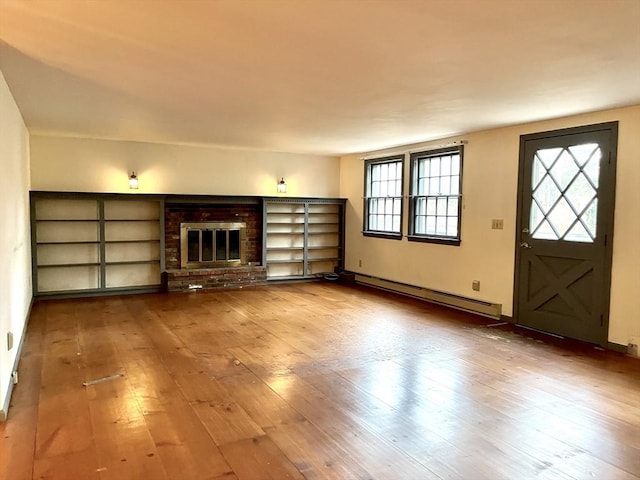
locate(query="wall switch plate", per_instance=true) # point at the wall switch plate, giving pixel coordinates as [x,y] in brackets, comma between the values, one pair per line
[497,224]
[9,341]
[475,285]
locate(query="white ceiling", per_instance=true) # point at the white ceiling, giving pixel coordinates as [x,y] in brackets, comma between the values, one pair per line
[313,76]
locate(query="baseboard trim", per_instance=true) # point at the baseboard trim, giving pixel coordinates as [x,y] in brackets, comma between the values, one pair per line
[617,347]
[4,412]
[458,302]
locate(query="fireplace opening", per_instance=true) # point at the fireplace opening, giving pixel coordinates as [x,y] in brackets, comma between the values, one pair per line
[212,244]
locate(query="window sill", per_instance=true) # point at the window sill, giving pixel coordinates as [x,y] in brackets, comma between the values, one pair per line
[437,240]
[390,236]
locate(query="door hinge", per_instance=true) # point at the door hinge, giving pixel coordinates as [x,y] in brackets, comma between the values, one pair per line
[602,320]
[605,240]
[609,158]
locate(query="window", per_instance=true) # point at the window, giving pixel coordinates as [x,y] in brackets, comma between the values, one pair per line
[436,185]
[383,197]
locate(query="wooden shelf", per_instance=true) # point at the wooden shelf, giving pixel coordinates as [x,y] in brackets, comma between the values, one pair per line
[65,231]
[107,242]
[318,215]
[68,220]
[81,242]
[69,265]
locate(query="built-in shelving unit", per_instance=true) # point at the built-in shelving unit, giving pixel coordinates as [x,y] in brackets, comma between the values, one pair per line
[84,243]
[302,238]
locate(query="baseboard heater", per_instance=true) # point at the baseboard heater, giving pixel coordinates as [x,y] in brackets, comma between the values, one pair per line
[488,309]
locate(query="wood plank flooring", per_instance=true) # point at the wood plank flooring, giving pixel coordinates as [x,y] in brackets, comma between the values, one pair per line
[310,381]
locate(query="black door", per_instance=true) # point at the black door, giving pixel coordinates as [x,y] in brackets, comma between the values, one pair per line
[566,197]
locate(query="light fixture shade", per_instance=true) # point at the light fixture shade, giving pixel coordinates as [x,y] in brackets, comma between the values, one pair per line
[282,186]
[133,181]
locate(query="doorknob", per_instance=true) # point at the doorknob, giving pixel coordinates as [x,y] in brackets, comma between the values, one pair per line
[525,245]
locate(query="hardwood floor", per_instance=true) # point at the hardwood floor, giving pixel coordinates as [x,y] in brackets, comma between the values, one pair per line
[310,381]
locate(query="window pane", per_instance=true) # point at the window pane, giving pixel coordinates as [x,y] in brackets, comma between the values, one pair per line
[441,208]
[420,225]
[435,167]
[455,165]
[445,185]
[431,225]
[434,186]
[441,225]
[455,185]
[375,173]
[396,223]
[384,171]
[453,206]
[445,166]
[431,206]
[452,226]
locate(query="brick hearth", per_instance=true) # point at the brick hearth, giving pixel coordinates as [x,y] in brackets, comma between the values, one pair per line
[177,279]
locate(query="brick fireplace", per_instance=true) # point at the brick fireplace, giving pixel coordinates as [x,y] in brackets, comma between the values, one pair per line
[249,272]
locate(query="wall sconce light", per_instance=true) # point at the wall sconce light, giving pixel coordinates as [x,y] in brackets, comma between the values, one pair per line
[282,186]
[133,181]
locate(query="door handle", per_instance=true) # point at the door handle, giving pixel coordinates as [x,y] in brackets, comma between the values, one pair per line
[525,245]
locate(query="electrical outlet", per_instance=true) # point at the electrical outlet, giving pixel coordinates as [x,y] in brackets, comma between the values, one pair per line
[497,224]
[475,285]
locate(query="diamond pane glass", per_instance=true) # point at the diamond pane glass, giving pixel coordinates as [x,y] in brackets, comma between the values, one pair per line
[564,170]
[571,215]
[580,193]
[546,194]
[562,217]
[592,168]
[578,234]
[538,172]
[536,217]
[589,218]
[545,232]
[548,155]
[582,153]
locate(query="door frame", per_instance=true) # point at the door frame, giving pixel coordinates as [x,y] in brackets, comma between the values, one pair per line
[612,128]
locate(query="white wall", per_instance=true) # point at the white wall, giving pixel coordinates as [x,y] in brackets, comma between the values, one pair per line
[490,192]
[90,165]
[15,249]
